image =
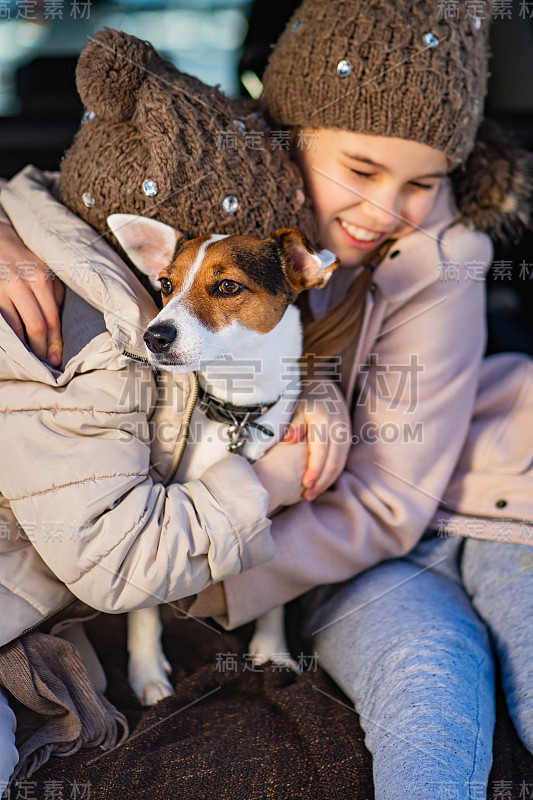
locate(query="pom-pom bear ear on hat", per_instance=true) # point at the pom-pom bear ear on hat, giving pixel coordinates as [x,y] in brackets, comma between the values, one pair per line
[110,71]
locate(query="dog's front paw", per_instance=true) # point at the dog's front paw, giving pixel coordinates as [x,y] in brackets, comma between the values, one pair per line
[148,678]
[151,693]
[263,649]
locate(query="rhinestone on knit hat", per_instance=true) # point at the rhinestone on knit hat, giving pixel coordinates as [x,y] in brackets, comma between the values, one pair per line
[87,117]
[430,40]
[230,203]
[239,124]
[477,22]
[344,67]
[88,199]
[300,197]
[296,25]
[150,188]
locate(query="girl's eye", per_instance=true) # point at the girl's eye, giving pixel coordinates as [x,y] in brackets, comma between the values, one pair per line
[166,285]
[229,287]
[421,186]
[362,174]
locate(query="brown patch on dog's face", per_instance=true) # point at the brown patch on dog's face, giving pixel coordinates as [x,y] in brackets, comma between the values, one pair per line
[236,279]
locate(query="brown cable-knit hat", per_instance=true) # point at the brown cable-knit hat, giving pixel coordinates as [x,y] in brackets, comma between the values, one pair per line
[383,67]
[157,142]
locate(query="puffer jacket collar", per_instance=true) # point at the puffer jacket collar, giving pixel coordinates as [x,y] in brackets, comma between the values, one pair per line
[82,259]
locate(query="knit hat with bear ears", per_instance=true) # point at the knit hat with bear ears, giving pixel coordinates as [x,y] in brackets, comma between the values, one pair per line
[160,143]
[406,69]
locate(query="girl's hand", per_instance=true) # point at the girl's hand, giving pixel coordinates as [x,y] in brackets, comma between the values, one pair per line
[281,471]
[30,297]
[321,417]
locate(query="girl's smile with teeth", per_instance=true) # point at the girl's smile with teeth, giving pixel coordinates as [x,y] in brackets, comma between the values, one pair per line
[362,234]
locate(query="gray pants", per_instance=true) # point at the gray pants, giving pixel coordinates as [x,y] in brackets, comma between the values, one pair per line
[8,752]
[412,643]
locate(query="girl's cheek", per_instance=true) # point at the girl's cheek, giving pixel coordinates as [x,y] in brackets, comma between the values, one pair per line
[326,204]
[420,207]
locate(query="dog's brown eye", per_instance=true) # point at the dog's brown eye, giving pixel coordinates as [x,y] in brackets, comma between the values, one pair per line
[166,285]
[229,287]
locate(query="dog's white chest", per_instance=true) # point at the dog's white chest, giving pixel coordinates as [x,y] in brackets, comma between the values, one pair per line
[208,439]
[206,444]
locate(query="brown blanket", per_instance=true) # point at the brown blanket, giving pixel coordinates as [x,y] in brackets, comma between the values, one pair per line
[231,733]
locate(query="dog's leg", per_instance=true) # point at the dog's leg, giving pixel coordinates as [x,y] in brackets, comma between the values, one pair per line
[148,668]
[269,643]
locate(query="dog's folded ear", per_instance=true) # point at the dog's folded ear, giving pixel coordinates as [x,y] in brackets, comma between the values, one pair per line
[302,265]
[149,244]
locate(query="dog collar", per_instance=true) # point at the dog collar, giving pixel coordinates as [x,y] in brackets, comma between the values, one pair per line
[238,418]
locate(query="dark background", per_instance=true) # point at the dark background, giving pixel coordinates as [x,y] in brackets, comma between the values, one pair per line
[219,41]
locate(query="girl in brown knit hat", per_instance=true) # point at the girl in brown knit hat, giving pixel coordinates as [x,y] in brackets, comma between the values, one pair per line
[384,103]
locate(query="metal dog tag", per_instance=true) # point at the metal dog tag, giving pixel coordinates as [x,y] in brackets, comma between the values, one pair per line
[237,438]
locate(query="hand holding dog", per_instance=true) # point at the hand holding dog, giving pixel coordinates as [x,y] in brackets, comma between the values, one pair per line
[322,419]
[30,299]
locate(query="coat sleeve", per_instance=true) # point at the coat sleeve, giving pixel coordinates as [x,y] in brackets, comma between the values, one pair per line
[77,477]
[415,401]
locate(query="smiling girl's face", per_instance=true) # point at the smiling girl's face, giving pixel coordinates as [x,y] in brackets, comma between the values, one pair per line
[366,189]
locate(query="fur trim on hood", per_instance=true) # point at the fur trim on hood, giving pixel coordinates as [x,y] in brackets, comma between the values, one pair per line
[493,188]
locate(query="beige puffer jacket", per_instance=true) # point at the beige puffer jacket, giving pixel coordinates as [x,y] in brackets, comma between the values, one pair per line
[88,453]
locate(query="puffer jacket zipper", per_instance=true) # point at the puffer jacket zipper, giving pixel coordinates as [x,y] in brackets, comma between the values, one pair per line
[142,359]
[184,429]
[48,617]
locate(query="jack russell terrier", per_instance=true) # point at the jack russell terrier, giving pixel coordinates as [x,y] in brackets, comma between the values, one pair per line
[224,297]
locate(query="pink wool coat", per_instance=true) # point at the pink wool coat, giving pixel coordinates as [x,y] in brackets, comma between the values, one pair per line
[444,438]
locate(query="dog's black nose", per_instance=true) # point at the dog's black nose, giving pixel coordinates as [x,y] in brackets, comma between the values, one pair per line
[158,338]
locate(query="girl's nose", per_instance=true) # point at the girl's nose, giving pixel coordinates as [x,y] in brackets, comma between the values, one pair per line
[382,209]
